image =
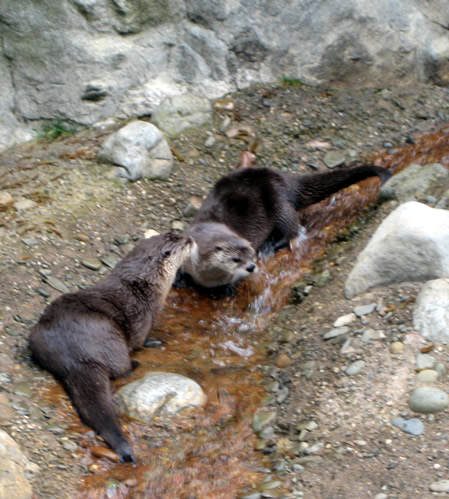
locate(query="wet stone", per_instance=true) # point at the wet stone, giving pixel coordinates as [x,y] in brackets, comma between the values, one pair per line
[70,445]
[355,368]
[263,419]
[371,334]
[364,309]
[412,426]
[91,263]
[427,399]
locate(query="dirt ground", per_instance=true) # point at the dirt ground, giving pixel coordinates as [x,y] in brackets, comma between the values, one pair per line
[79,213]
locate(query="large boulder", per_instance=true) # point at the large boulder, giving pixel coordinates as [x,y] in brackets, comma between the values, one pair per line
[85,60]
[411,244]
[431,311]
[15,470]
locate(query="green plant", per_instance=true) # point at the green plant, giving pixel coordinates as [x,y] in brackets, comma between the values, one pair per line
[291,82]
[56,129]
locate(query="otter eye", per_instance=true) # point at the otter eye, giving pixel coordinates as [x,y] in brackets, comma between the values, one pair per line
[218,248]
[166,252]
[236,260]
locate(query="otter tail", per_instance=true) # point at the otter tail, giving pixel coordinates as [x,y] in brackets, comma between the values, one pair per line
[309,189]
[90,390]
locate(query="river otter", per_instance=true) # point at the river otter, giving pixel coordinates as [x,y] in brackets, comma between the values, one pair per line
[261,206]
[84,338]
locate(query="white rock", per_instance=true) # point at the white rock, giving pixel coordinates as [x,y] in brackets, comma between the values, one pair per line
[344,320]
[15,469]
[431,311]
[159,393]
[411,244]
[140,149]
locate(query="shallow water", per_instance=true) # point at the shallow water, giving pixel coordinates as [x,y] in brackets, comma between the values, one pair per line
[221,345]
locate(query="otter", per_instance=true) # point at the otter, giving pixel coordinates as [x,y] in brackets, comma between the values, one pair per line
[259,207]
[84,338]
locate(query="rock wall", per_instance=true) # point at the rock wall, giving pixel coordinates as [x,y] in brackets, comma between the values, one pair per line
[85,60]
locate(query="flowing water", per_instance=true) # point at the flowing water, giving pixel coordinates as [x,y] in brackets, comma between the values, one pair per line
[221,344]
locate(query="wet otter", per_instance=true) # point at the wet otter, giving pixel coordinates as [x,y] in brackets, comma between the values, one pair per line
[84,338]
[261,206]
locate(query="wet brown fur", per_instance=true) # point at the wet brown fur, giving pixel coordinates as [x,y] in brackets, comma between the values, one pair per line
[84,338]
[261,205]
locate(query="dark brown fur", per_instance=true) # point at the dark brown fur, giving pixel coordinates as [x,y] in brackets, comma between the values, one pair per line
[84,338]
[261,205]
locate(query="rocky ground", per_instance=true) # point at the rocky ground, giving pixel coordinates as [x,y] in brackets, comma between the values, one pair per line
[66,221]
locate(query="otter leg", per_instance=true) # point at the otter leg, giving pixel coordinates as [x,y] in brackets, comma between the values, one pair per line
[89,388]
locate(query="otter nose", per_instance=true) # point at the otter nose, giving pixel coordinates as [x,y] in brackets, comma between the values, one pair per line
[250,267]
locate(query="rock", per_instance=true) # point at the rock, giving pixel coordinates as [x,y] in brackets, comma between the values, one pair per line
[56,284]
[362,310]
[424,361]
[14,468]
[283,360]
[355,368]
[344,320]
[262,419]
[334,333]
[6,200]
[411,244]
[427,400]
[110,260]
[431,311]
[164,394]
[440,486]
[148,51]
[396,347]
[91,263]
[333,159]
[413,426]
[413,182]
[427,376]
[180,112]
[24,204]
[371,334]
[140,150]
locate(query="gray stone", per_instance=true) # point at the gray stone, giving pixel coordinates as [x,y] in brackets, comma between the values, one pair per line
[413,182]
[334,333]
[411,244]
[262,419]
[424,361]
[431,311]
[440,486]
[180,112]
[413,426]
[355,368]
[15,469]
[333,159]
[427,399]
[371,334]
[56,284]
[427,376]
[91,263]
[140,150]
[159,393]
[362,310]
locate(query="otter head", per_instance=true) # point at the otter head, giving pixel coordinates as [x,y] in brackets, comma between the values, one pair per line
[221,257]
